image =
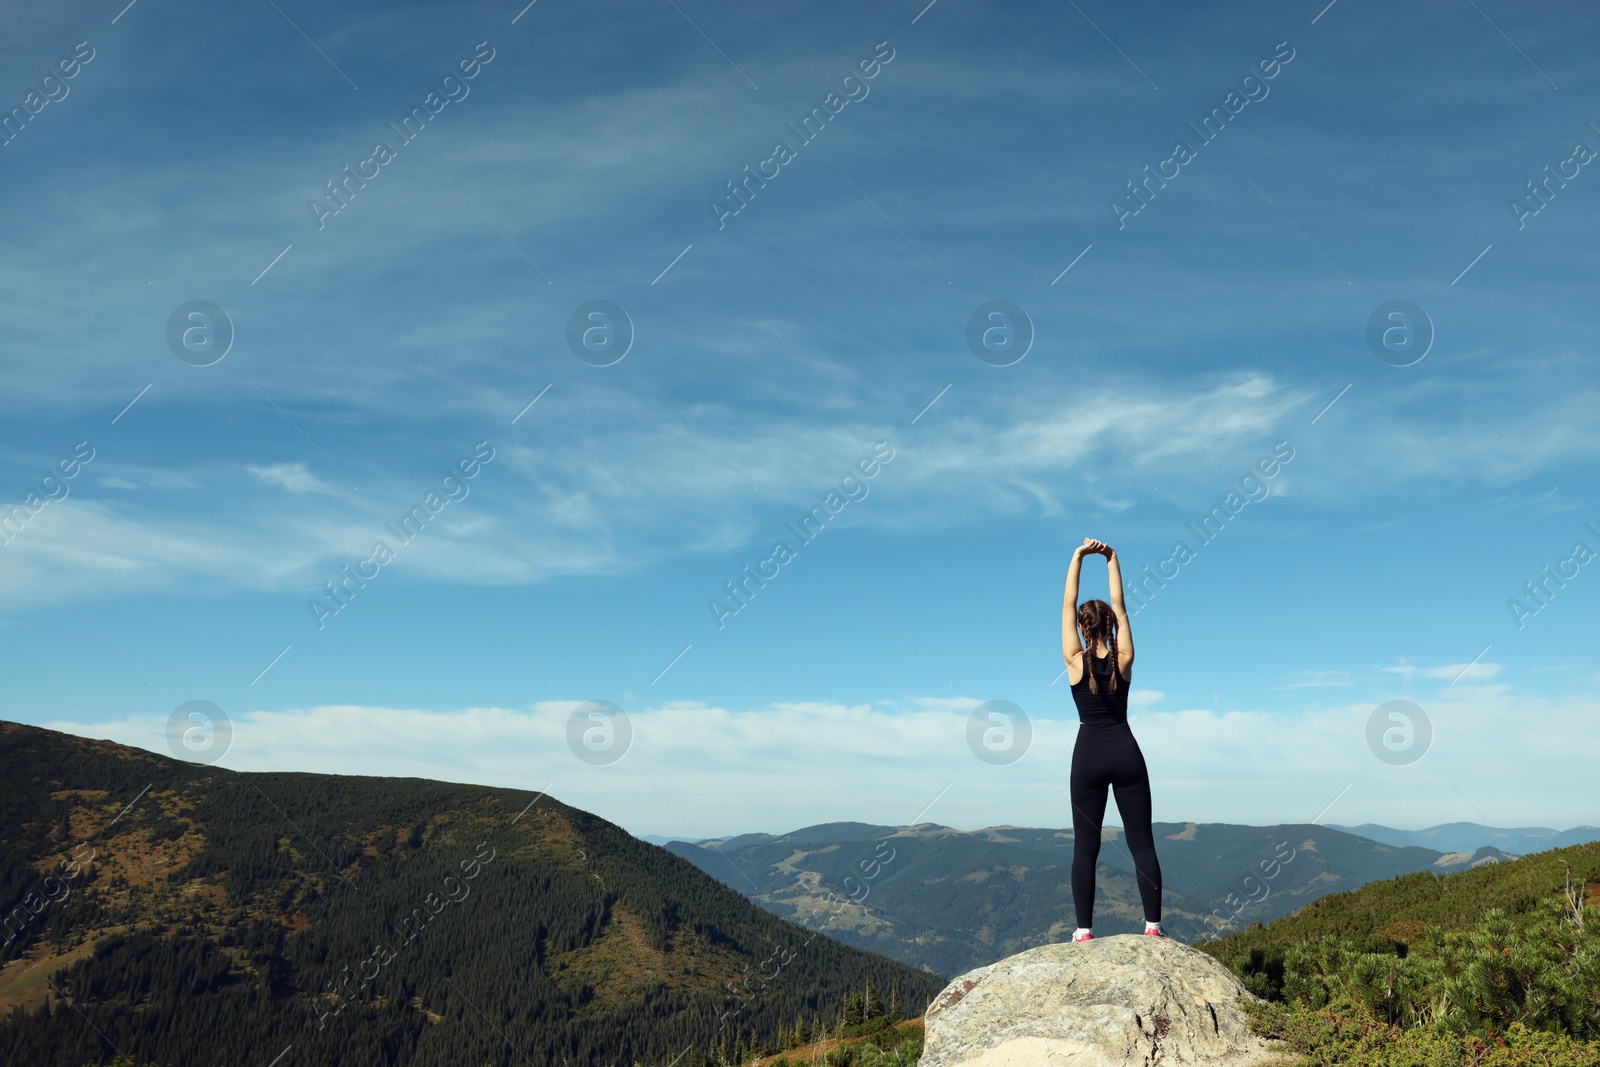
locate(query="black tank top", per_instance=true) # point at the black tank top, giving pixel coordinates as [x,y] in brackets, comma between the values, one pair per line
[1107,707]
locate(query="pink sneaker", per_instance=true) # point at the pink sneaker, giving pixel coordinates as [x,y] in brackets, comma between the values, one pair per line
[1082,935]
[1153,931]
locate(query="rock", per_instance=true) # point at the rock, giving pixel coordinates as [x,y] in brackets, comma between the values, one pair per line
[1124,1001]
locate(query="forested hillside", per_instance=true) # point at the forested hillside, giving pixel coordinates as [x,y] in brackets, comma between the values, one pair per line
[187,915]
[1494,966]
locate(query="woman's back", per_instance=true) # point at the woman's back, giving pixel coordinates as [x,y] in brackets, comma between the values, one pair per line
[1108,707]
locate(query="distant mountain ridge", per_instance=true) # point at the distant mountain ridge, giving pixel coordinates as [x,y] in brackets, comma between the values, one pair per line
[663,839]
[951,900]
[1471,836]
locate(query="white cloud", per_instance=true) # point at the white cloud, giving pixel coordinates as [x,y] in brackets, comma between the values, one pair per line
[615,480]
[618,481]
[291,476]
[697,770]
[1450,672]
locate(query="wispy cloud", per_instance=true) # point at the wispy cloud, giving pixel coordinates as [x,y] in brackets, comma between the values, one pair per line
[617,481]
[1450,672]
[291,476]
[781,764]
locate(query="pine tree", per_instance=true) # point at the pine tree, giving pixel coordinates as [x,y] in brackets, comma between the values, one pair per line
[871,1003]
[851,1013]
[896,1009]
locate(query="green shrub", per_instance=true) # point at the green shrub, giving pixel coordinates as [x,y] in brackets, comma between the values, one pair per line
[1542,972]
[1348,1032]
[1511,989]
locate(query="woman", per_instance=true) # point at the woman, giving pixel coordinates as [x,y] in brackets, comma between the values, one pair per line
[1105,756]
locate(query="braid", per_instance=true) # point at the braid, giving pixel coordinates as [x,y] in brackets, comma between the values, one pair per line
[1086,624]
[1089,620]
[1098,623]
[1116,669]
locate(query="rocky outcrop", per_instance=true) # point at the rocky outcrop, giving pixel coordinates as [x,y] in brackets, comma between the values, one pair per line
[1125,1001]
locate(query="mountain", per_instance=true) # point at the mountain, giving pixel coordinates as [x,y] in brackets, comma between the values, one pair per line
[662,839]
[1471,836]
[183,914]
[951,900]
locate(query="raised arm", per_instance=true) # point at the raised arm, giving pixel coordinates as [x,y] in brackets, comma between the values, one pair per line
[1071,644]
[1124,627]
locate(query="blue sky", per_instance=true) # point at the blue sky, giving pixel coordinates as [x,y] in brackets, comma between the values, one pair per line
[770,353]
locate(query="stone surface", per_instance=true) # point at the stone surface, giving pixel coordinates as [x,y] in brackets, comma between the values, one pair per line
[1124,1001]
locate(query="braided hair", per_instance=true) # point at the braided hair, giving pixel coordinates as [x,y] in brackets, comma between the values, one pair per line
[1098,622]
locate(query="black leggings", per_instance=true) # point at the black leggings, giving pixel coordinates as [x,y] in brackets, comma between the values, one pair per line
[1108,757]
